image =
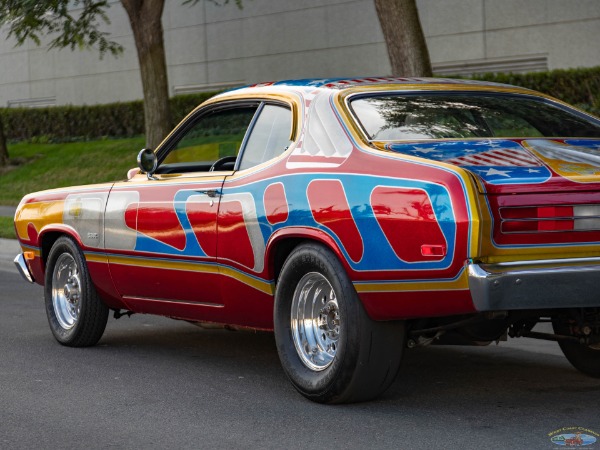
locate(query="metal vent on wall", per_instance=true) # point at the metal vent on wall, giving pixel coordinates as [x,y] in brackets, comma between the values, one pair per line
[196,88]
[40,102]
[514,64]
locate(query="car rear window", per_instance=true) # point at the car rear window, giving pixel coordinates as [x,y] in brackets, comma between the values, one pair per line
[391,117]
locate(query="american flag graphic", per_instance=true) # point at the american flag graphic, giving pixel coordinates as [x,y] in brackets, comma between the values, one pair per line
[505,157]
[496,161]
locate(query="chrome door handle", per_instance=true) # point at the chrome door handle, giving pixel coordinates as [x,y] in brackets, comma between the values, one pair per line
[212,193]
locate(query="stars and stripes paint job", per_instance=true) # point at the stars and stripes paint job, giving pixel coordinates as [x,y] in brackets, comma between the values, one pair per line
[511,165]
[497,162]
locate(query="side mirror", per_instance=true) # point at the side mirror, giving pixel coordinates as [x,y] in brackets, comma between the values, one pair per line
[147,162]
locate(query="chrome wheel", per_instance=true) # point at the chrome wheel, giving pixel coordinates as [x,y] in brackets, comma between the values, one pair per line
[315,321]
[329,347]
[66,293]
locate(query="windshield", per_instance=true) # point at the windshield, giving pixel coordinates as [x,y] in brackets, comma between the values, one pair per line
[391,117]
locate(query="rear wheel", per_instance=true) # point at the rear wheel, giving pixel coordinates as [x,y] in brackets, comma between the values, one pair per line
[585,358]
[76,314]
[329,347]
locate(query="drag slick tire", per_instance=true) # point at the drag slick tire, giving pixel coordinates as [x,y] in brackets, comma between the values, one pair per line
[585,358]
[76,314]
[330,349]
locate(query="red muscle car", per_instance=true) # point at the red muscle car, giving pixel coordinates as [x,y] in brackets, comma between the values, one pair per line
[354,218]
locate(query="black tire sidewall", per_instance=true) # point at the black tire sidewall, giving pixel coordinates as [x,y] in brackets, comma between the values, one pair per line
[74,335]
[324,385]
[582,357]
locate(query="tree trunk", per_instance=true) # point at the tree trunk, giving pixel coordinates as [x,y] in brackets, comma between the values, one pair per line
[404,38]
[145,17]
[3,147]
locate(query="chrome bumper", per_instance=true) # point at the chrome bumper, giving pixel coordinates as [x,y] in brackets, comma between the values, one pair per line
[22,268]
[559,283]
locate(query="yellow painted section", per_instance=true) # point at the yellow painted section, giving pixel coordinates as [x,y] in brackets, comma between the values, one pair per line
[40,214]
[497,255]
[461,282]
[94,257]
[574,171]
[263,286]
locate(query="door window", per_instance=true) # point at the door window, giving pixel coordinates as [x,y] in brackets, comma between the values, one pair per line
[214,135]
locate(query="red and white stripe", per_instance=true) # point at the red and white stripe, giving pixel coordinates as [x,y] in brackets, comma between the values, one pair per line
[497,157]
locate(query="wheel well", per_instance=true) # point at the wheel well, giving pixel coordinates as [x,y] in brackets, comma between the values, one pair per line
[47,242]
[282,250]
[284,247]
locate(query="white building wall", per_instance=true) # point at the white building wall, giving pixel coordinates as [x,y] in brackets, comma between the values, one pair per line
[210,46]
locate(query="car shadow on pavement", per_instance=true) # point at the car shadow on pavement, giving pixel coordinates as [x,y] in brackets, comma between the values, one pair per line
[505,377]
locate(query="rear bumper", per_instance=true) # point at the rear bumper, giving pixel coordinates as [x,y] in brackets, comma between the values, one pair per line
[22,268]
[549,284]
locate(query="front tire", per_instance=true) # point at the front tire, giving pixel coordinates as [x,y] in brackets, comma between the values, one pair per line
[76,314]
[330,349]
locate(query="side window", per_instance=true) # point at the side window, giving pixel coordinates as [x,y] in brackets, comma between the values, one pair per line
[269,137]
[215,135]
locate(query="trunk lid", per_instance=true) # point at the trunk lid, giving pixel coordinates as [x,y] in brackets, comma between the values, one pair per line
[512,166]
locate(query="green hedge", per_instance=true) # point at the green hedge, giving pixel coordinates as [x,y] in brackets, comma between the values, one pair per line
[74,123]
[580,87]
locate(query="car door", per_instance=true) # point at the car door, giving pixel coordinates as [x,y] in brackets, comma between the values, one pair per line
[243,225]
[161,231]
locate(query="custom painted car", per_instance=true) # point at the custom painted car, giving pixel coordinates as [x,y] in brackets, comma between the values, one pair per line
[354,218]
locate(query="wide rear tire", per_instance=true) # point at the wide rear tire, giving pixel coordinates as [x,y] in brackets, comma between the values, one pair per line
[585,358]
[330,349]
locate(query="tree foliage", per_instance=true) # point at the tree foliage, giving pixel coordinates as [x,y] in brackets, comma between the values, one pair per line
[77,24]
[73,24]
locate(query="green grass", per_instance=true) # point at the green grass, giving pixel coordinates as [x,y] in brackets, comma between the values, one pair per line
[7,228]
[46,166]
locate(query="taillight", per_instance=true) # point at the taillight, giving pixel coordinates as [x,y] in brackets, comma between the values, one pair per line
[539,219]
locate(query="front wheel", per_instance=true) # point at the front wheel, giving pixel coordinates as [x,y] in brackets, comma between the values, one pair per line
[76,314]
[328,346]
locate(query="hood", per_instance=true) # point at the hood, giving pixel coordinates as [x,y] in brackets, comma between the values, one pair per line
[518,165]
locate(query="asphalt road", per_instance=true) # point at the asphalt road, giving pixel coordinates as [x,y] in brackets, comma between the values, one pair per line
[157,383]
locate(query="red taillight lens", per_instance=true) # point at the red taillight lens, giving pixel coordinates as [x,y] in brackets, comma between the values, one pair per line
[534,212]
[532,226]
[533,219]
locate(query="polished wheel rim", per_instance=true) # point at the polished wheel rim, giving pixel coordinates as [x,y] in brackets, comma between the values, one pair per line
[66,294]
[315,321]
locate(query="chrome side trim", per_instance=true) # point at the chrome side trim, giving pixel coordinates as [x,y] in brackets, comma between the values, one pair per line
[544,284]
[22,268]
